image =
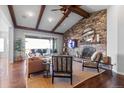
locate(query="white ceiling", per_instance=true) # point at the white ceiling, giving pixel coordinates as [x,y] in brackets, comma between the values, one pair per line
[93,8]
[50,18]
[23,10]
[68,22]
[27,15]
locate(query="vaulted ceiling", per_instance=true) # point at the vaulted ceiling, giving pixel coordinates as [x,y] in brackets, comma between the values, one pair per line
[42,18]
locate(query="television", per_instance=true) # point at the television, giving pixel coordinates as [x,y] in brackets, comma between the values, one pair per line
[72,43]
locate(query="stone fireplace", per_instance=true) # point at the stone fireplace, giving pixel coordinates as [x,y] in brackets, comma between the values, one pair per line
[98,23]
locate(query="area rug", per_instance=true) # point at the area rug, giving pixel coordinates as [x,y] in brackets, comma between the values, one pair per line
[38,81]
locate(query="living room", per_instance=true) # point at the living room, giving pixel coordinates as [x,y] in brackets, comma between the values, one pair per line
[76,31]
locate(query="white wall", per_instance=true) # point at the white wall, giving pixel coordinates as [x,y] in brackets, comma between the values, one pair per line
[6,25]
[121,39]
[115,37]
[112,34]
[20,34]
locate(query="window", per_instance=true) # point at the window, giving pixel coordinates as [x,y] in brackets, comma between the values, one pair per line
[54,45]
[32,43]
[40,46]
[37,47]
[1,45]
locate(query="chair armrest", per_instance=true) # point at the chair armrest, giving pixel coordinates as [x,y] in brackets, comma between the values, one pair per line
[86,60]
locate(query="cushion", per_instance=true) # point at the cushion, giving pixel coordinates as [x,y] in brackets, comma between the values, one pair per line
[90,64]
[93,57]
[98,56]
[35,59]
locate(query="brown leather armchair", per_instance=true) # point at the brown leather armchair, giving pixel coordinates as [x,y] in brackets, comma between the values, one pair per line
[35,65]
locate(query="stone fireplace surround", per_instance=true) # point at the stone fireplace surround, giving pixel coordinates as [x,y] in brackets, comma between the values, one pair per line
[97,21]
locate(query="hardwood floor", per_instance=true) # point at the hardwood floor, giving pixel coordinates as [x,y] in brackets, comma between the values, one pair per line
[16,79]
[39,81]
[104,80]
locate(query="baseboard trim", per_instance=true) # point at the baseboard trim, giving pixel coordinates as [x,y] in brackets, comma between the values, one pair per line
[120,73]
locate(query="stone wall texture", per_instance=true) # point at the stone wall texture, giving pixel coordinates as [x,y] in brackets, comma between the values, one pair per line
[96,21]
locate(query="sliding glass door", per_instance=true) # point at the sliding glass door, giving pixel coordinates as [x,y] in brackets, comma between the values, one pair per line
[40,46]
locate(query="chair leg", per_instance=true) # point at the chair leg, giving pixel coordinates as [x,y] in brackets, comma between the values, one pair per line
[28,75]
[71,79]
[111,71]
[98,70]
[52,79]
[82,67]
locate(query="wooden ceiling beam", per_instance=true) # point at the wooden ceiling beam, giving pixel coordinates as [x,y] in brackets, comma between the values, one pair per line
[71,8]
[40,15]
[79,11]
[61,20]
[12,14]
[38,30]
[76,9]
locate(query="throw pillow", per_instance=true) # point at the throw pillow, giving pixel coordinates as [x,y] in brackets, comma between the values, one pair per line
[93,57]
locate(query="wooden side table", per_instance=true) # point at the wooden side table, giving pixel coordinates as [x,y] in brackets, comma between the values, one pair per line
[107,62]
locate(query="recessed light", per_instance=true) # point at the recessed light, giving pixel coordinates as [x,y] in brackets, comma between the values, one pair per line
[30,14]
[50,19]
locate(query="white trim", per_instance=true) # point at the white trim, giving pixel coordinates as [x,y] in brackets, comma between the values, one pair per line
[121,73]
[114,70]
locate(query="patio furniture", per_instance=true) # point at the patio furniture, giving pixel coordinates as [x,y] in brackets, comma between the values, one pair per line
[62,67]
[93,62]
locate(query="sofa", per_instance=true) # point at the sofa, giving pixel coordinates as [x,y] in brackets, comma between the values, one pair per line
[35,64]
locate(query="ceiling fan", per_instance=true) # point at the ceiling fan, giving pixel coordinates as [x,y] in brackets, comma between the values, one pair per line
[64,9]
